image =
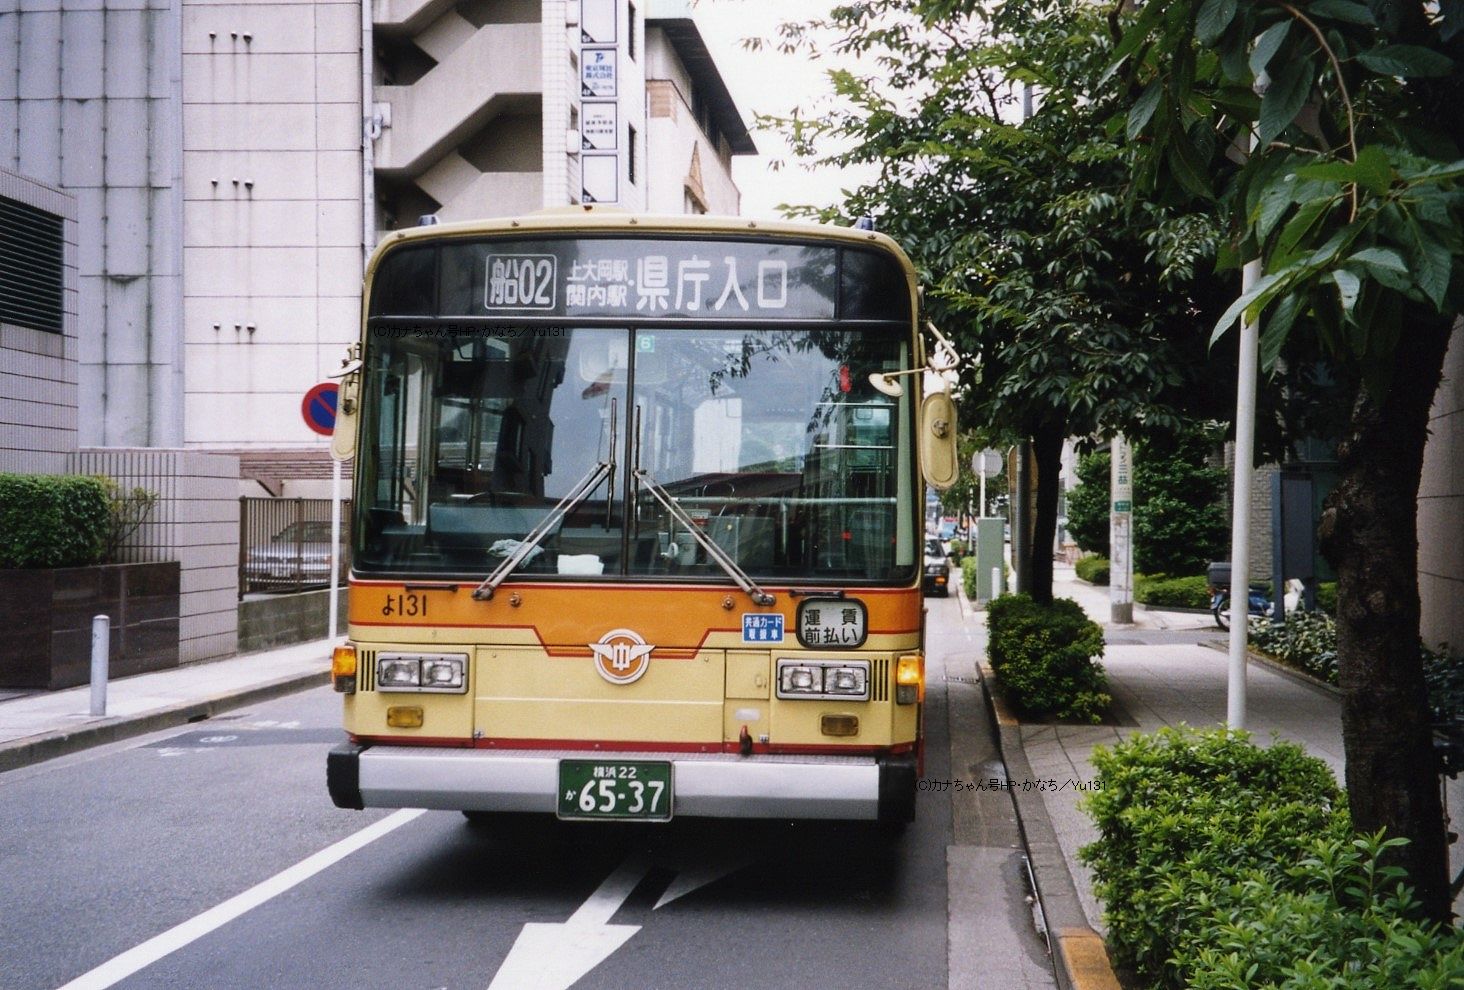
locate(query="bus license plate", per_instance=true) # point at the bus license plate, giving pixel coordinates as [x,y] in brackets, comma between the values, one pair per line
[619,789]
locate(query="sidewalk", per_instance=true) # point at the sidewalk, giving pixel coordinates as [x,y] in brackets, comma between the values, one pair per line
[1177,681]
[44,724]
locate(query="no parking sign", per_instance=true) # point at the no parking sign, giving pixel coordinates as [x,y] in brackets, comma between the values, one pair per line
[319,408]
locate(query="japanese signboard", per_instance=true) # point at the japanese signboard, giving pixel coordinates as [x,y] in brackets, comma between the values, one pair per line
[597,73]
[600,179]
[599,126]
[831,622]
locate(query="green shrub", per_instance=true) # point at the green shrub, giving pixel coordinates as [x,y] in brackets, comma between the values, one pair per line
[1181,592]
[1327,597]
[52,520]
[1344,923]
[1088,504]
[1307,641]
[1184,816]
[1046,657]
[1094,570]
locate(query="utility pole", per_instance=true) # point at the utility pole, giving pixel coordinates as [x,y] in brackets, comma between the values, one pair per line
[1121,533]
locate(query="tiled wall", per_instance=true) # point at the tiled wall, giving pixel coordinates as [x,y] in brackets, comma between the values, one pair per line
[38,390]
[1441,508]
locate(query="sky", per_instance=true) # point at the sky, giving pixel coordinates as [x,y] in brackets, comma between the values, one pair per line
[770,82]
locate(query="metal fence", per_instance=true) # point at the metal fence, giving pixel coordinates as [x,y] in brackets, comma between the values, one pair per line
[284,544]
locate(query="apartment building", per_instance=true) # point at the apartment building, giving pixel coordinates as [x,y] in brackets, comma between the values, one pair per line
[233,164]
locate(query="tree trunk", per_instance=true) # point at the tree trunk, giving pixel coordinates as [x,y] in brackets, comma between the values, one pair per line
[1047,453]
[1369,533]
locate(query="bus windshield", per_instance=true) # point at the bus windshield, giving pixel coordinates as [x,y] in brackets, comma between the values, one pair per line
[771,441]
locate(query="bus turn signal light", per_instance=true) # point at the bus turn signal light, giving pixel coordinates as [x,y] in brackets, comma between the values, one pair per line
[910,679]
[343,669]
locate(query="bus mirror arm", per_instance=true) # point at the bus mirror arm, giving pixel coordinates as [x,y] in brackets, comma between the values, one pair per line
[715,552]
[580,492]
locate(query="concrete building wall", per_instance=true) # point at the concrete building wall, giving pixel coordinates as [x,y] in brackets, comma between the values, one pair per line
[38,387]
[272,212]
[195,521]
[92,104]
[1441,509]
[688,174]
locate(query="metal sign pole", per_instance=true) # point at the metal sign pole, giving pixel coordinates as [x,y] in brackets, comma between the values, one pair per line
[335,544]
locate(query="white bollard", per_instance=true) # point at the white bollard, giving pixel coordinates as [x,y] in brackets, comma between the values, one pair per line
[996,582]
[101,634]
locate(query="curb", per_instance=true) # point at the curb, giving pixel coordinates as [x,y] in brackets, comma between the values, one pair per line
[1080,957]
[47,746]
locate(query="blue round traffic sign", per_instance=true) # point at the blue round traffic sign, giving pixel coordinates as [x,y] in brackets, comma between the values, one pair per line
[319,408]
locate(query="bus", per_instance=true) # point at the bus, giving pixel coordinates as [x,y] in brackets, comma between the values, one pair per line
[638,524]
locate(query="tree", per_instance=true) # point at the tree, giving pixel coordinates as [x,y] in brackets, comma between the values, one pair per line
[1077,312]
[1178,522]
[1352,202]
[1088,503]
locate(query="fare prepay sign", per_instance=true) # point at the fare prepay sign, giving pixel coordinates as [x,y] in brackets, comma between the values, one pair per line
[319,408]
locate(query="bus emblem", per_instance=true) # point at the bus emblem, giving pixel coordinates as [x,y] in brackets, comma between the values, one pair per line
[621,656]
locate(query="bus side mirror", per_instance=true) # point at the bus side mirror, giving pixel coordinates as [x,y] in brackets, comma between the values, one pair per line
[348,405]
[938,440]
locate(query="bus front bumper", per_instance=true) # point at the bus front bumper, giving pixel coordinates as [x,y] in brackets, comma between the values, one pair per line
[711,785]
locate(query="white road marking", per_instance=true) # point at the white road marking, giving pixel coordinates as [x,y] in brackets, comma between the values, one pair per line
[696,875]
[554,957]
[120,967]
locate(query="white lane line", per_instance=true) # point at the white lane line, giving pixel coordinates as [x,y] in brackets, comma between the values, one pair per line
[612,892]
[120,967]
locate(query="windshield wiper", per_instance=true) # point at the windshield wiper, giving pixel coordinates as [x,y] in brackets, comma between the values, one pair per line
[715,552]
[581,491]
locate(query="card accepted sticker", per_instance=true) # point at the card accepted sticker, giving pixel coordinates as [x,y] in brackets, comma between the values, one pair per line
[760,627]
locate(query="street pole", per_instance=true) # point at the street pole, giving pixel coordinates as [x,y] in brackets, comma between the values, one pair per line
[1121,533]
[335,544]
[1240,520]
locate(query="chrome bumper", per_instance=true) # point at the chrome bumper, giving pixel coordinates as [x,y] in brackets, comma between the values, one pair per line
[713,785]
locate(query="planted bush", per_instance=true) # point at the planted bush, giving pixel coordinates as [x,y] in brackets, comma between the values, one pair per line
[1094,570]
[1046,658]
[1172,592]
[53,520]
[1185,816]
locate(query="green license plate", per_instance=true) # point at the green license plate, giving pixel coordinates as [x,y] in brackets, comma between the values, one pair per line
[625,790]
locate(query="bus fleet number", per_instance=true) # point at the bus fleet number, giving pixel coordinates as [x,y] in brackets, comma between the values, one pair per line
[408,605]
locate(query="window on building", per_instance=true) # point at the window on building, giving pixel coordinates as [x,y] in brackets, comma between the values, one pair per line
[32,267]
[630,153]
[630,30]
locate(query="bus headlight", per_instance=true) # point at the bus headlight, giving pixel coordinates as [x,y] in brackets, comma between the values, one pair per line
[443,673]
[823,679]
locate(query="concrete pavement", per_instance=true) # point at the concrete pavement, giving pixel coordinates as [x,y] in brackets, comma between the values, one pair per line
[40,725]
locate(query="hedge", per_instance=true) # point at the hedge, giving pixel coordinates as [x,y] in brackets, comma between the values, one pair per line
[1160,590]
[1225,866]
[1046,658]
[1094,570]
[53,520]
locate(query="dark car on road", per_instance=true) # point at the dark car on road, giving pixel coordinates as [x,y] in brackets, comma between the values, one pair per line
[937,579]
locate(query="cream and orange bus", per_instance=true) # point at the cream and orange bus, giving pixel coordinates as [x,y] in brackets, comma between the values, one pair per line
[638,521]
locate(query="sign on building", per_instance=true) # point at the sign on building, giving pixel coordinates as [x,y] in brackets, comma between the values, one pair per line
[597,73]
[600,178]
[599,125]
[597,22]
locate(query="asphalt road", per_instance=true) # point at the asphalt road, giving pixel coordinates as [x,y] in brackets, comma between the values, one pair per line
[211,857]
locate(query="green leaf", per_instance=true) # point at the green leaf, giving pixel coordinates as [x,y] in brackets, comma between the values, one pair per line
[1278,327]
[1406,60]
[1284,98]
[1214,17]
[1333,171]
[1267,45]
[1301,224]
[1143,109]
[1342,10]
[1432,265]
[1373,171]
[1189,169]
[1262,287]
[1349,287]
[1379,258]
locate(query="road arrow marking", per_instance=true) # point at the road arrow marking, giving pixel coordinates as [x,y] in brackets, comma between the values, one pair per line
[554,957]
[698,875]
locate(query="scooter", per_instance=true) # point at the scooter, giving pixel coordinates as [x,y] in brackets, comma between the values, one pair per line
[1218,576]
[1259,603]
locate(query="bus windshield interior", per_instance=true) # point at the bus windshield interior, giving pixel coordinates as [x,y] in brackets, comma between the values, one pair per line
[771,441]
